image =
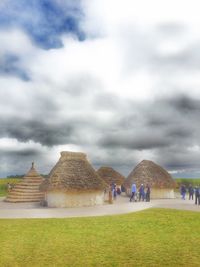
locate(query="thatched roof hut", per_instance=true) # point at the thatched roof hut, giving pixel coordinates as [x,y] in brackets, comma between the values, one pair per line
[148,172]
[73,182]
[109,175]
[27,190]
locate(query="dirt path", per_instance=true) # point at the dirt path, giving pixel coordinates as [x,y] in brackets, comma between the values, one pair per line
[120,206]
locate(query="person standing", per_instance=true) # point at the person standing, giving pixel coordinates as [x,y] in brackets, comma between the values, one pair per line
[197,195]
[191,191]
[133,192]
[114,191]
[183,191]
[141,192]
[148,192]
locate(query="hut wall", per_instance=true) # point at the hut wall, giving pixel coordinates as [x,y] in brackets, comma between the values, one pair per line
[162,193]
[61,199]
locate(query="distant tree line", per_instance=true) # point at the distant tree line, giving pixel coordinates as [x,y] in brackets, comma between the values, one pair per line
[15,176]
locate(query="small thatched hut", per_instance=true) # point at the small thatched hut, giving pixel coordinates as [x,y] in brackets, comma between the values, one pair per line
[147,172]
[109,175]
[73,182]
[28,189]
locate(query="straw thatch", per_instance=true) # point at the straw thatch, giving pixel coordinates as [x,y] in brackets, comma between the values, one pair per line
[147,172]
[73,172]
[28,189]
[109,175]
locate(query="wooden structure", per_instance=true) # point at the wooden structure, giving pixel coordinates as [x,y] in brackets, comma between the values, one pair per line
[73,182]
[147,172]
[27,190]
[110,176]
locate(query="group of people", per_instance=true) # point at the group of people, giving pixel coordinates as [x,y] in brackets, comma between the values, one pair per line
[193,192]
[143,193]
[115,190]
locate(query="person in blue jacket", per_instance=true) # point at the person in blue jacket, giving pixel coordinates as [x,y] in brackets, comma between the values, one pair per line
[183,191]
[133,192]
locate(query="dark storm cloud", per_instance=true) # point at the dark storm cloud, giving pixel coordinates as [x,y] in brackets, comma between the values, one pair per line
[48,134]
[27,152]
[163,127]
[166,127]
[134,142]
[185,104]
[18,161]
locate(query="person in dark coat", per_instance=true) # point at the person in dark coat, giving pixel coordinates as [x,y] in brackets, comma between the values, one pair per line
[191,191]
[141,192]
[148,192]
[183,191]
[197,195]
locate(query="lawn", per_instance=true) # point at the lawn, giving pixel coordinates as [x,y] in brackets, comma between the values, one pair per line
[154,237]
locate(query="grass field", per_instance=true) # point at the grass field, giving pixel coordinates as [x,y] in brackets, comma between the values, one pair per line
[154,237]
[187,181]
[3,185]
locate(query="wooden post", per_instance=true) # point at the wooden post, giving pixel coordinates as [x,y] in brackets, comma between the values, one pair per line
[110,199]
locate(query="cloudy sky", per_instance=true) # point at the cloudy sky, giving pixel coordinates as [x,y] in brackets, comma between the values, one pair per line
[118,80]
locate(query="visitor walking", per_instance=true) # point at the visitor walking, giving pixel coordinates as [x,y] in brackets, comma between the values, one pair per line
[133,192]
[114,191]
[197,195]
[141,192]
[183,191]
[148,192]
[191,191]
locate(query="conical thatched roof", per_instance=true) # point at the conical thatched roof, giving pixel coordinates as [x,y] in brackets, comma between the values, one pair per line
[148,172]
[73,172]
[27,190]
[109,175]
[32,172]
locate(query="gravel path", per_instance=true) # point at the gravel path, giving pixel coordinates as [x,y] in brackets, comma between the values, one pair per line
[120,206]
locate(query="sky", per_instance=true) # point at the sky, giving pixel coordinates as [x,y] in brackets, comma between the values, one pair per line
[118,80]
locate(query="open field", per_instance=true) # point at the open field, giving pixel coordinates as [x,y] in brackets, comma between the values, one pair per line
[187,181]
[3,184]
[154,237]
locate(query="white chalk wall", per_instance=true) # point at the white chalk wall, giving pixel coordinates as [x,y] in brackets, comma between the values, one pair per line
[162,193]
[61,199]
[159,193]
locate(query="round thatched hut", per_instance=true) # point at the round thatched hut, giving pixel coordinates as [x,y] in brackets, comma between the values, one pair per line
[28,189]
[110,176]
[73,182]
[147,172]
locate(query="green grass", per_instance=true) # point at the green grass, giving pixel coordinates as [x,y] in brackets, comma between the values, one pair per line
[154,237]
[3,185]
[187,181]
